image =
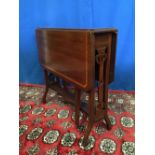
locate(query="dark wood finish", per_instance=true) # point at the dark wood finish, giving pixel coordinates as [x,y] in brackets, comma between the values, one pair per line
[59,48]
[79,57]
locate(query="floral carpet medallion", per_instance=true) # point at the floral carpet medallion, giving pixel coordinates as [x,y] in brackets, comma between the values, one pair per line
[68,139]
[34,134]
[49,129]
[127,122]
[108,146]
[128,148]
[90,145]
[51,136]
[50,112]
[63,114]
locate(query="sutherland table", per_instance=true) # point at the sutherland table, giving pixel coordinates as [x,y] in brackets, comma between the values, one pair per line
[79,57]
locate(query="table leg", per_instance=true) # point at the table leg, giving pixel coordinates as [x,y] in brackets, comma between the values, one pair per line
[91,117]
[46,86]
[108,123]
[105,89]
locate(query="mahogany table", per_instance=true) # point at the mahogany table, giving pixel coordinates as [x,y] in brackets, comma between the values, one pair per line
[79,57]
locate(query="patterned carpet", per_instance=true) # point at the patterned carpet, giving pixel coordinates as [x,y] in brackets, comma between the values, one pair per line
[49,129]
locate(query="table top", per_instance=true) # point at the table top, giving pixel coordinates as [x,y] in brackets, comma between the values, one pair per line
[70,53]
[94,30]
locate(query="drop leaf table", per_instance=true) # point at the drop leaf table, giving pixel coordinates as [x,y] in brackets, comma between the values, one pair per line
[79,57]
